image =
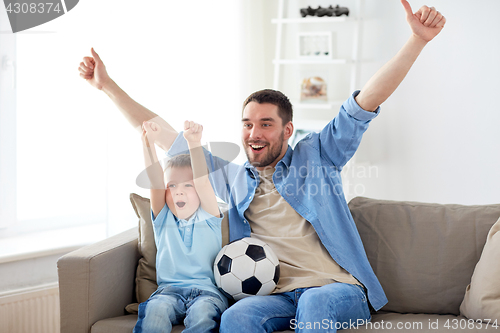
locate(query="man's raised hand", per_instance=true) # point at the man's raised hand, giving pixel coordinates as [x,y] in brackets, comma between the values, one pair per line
[93,70]
[426,23]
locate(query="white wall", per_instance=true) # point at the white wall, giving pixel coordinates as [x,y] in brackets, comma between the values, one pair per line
[437,138]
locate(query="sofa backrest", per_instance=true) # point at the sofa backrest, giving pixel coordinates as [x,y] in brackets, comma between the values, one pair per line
[423,254]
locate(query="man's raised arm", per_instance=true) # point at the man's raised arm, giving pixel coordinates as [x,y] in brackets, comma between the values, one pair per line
[425,24]
[93,70]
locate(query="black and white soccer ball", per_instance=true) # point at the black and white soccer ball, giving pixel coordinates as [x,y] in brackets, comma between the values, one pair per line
[246,267]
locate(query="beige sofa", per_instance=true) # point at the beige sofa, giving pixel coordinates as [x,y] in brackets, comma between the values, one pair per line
[423,254]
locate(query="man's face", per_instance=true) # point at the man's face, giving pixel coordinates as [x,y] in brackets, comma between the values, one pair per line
[263,135]
[181,196]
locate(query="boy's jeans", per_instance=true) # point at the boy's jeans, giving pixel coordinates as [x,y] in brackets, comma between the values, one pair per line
[317,309]
[170,305]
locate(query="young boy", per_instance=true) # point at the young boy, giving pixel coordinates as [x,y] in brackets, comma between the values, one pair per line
[187,229]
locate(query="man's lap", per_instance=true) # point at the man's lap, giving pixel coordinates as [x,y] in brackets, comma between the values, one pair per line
[282,311]
[272,312]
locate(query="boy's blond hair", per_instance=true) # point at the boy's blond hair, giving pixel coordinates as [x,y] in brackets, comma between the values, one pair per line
[179,161]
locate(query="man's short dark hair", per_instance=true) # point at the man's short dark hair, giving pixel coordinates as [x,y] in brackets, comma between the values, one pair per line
[285,110]
[179,161]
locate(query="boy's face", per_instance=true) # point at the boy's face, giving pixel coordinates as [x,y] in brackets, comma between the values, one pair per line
[181,196]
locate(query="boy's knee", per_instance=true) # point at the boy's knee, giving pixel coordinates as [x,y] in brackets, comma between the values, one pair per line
[155,317]
[159,309]
[210,307]
[204,314]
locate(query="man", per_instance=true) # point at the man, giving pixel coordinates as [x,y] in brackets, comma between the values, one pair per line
[292,198]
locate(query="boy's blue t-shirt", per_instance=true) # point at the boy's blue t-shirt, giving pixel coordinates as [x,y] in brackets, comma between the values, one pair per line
[186,250]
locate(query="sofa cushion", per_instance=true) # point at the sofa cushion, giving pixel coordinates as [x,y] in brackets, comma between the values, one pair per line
[123,324]
[482,297]
[145,280]
[423,254]
[146,269]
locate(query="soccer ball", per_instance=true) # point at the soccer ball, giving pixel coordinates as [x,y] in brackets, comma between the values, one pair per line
[246,267]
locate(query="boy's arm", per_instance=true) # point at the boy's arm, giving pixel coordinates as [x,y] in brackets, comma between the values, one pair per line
[93,70]
[192,133]
[153,168]
[425,24]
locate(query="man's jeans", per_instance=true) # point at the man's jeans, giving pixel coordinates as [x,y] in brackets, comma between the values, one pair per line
[317,309]
[168,306]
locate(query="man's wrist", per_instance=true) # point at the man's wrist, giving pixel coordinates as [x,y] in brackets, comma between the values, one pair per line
[418,40]
[110,88]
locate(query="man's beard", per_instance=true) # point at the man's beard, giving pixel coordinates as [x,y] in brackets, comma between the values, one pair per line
[268,158]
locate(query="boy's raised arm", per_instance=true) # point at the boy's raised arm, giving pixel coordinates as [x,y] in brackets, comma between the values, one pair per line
[150,131]
[192,134]
[93,70]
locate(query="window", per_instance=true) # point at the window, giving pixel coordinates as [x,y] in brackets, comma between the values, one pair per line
[68,158]
[7,122]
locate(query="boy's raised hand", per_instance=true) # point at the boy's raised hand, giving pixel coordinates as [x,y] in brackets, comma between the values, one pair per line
[192,131]
[150,132]
[93,70]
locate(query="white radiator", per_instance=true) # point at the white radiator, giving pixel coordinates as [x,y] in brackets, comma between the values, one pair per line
[32,310]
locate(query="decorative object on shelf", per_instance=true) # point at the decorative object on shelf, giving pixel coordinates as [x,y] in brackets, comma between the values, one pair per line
[313,89]
[308,11]
[315,45]
[320,11]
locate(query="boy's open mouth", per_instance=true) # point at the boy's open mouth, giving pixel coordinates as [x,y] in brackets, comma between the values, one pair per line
[180,204]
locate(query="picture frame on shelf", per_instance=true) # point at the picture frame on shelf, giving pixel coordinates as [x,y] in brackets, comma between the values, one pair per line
[314,45]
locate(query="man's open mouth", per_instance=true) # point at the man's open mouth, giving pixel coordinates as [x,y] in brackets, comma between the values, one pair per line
[257,147]
[180,204]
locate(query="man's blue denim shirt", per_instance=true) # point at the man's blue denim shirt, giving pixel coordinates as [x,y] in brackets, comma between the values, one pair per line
[308,178]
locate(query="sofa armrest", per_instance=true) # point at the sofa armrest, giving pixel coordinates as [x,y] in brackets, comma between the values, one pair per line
[97,281]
